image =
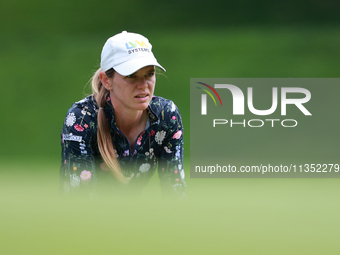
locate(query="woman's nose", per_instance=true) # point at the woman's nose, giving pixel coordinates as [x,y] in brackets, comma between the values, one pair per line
[142,82]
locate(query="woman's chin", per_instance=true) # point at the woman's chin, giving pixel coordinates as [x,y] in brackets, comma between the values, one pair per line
[141,106]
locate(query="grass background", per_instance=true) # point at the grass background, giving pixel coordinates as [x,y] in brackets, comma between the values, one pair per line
[48,52]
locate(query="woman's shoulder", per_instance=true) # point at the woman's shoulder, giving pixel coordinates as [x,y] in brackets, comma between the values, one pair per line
[165,111]
[81,120]
[87,106]
[159,104]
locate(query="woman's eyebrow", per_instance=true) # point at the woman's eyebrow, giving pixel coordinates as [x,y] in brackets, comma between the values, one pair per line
[151,69]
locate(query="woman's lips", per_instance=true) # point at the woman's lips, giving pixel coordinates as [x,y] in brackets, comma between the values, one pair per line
[141,96]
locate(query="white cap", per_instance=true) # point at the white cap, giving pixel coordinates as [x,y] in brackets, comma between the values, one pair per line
[126,53]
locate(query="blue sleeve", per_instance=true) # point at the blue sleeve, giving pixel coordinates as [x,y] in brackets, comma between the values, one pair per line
[170,166]
[77,171]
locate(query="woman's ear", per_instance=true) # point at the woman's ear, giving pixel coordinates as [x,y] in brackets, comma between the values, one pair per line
[106,81]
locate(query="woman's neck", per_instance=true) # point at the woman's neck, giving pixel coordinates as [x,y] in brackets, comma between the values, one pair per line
[131,125]
[130,120]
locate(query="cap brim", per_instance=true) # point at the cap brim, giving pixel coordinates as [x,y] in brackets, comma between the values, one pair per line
[133,65]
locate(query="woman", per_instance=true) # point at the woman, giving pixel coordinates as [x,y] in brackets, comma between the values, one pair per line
[122,133]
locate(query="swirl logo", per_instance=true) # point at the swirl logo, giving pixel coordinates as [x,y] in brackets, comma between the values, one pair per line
[204,97]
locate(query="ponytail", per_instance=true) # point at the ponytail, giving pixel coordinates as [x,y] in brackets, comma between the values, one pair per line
[105,145]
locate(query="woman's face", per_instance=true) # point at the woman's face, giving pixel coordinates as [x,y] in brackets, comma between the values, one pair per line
[133,92]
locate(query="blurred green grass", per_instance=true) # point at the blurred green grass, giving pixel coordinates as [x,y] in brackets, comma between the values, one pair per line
[221,216]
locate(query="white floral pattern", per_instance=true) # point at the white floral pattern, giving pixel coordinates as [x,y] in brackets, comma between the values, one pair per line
[144,167]
[178,152]
[74,180]
[182,174]
[173,107]
[159,137]
[70,119]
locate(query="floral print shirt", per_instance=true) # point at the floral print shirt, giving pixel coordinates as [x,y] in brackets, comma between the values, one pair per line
[159,146]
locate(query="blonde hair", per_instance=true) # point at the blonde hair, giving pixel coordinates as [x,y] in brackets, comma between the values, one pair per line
[105,145]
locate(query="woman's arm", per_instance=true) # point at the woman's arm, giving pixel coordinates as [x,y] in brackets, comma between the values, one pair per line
[171,165]
[77,171]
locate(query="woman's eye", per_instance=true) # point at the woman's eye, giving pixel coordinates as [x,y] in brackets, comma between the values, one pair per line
[150,74]
[130,76]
